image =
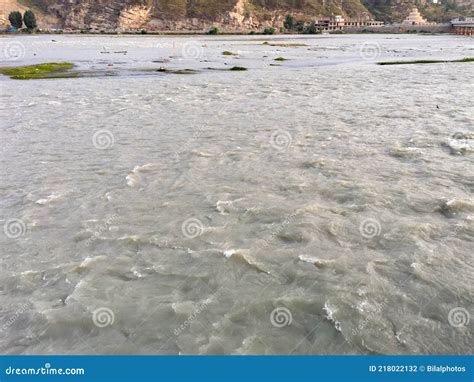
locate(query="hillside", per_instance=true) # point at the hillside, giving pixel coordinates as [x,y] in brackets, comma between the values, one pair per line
[397,10]
[229,15]
[189,14]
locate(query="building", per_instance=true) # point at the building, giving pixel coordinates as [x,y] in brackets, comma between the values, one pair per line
[463,26]
[415,18]
[339,23]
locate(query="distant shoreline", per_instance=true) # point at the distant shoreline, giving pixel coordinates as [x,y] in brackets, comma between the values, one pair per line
[203,34]
[385,29]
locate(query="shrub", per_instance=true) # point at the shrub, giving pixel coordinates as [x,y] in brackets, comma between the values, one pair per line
[299,26]
[16,19]
[30,20]
[213,31]
[289,22]
[269,30]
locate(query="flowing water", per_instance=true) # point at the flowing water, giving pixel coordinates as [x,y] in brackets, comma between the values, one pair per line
[319,205]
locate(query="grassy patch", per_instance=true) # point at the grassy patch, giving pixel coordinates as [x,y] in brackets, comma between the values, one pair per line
[40,71]
[280,59]
[424,62]
[227,53]
[238,69]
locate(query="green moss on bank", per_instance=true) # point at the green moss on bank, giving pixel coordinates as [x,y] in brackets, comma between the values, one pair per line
[40,71]
[424,62]
[238,69]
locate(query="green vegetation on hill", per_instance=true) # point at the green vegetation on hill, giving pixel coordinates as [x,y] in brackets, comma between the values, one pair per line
[16,19]
[29,19]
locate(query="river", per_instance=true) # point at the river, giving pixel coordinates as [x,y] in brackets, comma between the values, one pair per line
[321,204]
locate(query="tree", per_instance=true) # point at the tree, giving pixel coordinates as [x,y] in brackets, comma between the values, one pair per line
[30,20]
[16,20]
[289,22]
[299,26]
[311,28]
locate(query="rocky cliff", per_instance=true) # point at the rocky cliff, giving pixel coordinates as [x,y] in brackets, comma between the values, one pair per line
[189,14]
[229,15]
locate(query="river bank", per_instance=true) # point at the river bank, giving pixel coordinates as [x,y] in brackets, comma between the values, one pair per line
[386,29]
